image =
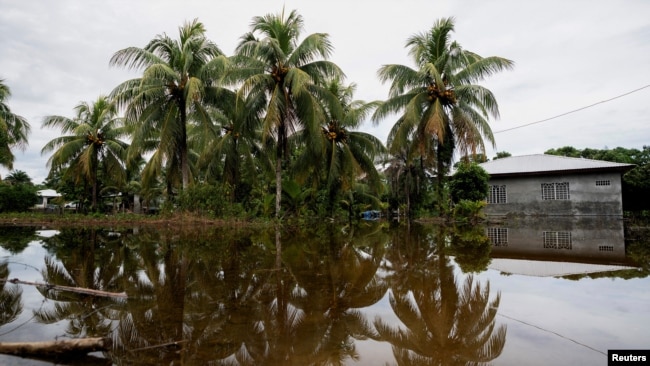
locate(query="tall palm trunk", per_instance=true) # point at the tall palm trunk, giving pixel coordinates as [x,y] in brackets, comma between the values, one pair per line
[280,154]
[278,183]
[185,166]
[94,181]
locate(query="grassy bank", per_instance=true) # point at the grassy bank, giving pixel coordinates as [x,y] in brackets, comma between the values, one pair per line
[121,219]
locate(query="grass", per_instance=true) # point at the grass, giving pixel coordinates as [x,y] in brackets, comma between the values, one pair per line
[96,219]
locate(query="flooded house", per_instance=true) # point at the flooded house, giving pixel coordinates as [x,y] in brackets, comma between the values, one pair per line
[554,186]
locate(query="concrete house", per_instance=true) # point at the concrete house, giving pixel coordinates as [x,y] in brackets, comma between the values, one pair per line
[554,185]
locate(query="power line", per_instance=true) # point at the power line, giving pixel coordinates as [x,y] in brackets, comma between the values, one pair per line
[575,110]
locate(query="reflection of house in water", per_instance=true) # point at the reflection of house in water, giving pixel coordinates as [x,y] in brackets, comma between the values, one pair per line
[559,246]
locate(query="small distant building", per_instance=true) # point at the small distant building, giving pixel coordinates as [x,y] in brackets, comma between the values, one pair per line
[554,185]
[44,197]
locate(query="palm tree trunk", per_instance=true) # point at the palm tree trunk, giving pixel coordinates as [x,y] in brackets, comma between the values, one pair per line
[278,185]
[94,178]
[185,167]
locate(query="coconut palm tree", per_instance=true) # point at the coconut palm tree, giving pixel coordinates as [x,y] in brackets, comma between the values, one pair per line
[91,139]
[18,177]
[231,150]
[171,93]
[14,129]
[441,108]
[287,75]
[347,155]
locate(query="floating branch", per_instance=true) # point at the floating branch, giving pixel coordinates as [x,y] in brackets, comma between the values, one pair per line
[63,347]
[80,290]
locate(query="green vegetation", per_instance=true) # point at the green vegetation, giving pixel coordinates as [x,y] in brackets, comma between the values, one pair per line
[636,182]
[14,129]
[205,133]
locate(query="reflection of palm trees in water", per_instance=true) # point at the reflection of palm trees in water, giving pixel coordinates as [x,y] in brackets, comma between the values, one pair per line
[335,276]
[88,259]
[155,309]
[10,297]
[446,323]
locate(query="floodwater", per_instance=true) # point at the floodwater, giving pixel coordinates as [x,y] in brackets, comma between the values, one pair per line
[529,292]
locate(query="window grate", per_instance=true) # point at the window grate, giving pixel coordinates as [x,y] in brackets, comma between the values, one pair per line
[557,240]
[497,194]
[602,183]
[498,236]
[555,191]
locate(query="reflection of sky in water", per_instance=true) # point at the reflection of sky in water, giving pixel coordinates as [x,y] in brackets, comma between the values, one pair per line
[25,328]
[21,266]
[600,313]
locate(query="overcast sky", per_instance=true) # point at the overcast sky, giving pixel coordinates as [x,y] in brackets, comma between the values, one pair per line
[568,55]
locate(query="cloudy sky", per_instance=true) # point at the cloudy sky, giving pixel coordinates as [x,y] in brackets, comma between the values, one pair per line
[568,55]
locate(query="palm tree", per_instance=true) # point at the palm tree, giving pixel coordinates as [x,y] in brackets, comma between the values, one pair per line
[441,108]
[170,94]
[93,139]
[287,75]
[231,149]
[18,177]
[347,155]
[14,129]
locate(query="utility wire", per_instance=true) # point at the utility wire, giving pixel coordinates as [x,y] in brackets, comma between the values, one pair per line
[552,332]
[576,110]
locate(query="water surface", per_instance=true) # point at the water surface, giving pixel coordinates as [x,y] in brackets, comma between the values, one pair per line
[535,292]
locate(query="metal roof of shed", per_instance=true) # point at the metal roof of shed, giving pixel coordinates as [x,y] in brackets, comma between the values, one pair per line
[542,163]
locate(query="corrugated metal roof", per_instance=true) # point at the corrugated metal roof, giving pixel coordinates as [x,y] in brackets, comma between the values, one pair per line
[542,163]
[48,193]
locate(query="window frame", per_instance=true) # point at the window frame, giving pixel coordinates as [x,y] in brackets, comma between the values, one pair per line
[556,191]
[498,194]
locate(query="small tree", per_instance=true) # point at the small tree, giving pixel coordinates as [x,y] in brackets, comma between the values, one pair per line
[469,182]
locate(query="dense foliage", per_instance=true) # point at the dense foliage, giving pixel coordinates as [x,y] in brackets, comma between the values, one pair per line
[17,198]
[469,182]
[636,182]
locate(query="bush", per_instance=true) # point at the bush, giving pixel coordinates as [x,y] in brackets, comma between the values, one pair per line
[469,182]
[469,211]
[17,198]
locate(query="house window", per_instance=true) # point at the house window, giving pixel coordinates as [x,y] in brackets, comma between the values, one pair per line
[606,248]
[555,191]
[498,236]
[557,240]
[600,183]
[497,194]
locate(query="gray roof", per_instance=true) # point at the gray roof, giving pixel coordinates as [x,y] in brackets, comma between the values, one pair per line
[542,163]
[48,193]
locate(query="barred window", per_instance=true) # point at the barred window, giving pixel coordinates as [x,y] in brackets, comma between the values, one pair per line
[498,236]
[497,194]
[600,183]
[555,191]
[606,248]
[557,240]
